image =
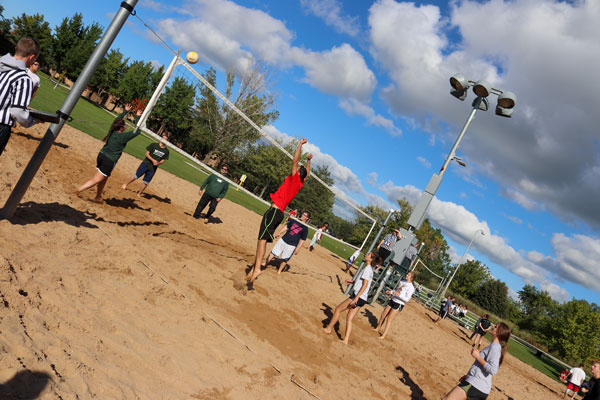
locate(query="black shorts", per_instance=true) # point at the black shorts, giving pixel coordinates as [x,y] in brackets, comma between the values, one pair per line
[472,392]
[270,221]
[360,302]
[443,313]
[104,164]
[395,306]
[383,253]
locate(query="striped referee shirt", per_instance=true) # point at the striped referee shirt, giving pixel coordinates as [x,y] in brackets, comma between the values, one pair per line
[16,87]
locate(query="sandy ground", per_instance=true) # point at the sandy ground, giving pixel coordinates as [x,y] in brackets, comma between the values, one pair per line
[134,299]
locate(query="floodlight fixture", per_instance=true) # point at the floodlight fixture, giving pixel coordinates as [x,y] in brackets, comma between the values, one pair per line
[482,88]
[506,104]
[459,82]
[460,85]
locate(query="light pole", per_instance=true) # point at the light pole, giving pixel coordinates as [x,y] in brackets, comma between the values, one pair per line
[460,87]
[461,261]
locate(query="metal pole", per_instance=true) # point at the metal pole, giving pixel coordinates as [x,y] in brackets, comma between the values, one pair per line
[452,153]
[460,261]
[157,92]
[67,107]
[362,264]
[368,234]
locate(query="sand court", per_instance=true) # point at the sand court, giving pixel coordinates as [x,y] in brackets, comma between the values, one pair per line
[134,298]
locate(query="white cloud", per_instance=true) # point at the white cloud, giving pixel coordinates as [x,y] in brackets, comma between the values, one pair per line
[556,292]
[527,154]
[354,107]
[331,12]
[341,71]
[227,35]
[520,199]
[425,162]
[576,259]
[514,219]
[461,226]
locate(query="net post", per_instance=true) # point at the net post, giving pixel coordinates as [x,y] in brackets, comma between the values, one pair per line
[65,110]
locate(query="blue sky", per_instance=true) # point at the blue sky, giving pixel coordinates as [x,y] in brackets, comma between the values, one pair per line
[367,83]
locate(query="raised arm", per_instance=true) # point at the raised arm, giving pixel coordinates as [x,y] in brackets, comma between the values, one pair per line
[297,155]
[308,164]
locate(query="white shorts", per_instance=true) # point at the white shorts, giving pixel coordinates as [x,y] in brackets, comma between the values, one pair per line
[282,250]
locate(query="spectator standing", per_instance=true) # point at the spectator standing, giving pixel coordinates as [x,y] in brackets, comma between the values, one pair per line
[576,377]
[35,78]
[212,190]
[16,88]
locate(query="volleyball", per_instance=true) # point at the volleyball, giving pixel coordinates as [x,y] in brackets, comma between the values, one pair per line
[192,57]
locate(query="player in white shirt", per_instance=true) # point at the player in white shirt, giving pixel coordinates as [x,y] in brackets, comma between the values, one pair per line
[359,298]
[400,296]
[576,377]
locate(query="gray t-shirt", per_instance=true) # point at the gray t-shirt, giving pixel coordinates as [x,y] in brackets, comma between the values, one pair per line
[481,377]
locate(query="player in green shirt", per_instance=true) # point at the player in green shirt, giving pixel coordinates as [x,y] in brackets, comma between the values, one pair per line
[156,154]
[213,190]
[116,140]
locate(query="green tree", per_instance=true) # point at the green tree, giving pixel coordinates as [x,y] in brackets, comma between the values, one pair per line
[108,75]
[538,310]
[4,23]
[226,127]
[72,45]
[265,166]
[36,27]
[6,44]
[173,111]
[469,277]
[135,84]
[207,117]
[492,295]
[573,333]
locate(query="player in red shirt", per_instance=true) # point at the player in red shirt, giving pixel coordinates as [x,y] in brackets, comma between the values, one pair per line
[274,215]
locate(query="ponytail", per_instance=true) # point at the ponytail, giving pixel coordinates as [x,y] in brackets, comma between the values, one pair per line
[503,334]
[117,124]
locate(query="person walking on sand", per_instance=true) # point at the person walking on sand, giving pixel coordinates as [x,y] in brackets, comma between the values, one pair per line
[115,142]
[400,296]
[575,377]
[481,328]
[359,297]
[294,234]
[477,384]
[317,236]
[444,308]
[212,191]
[156,154]
[35,78]
[274,215]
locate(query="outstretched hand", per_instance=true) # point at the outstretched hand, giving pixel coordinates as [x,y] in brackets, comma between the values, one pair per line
[127,107]
[309,156]
[303,141]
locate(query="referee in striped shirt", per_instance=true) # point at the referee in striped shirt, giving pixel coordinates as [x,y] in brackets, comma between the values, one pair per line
[16,87]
